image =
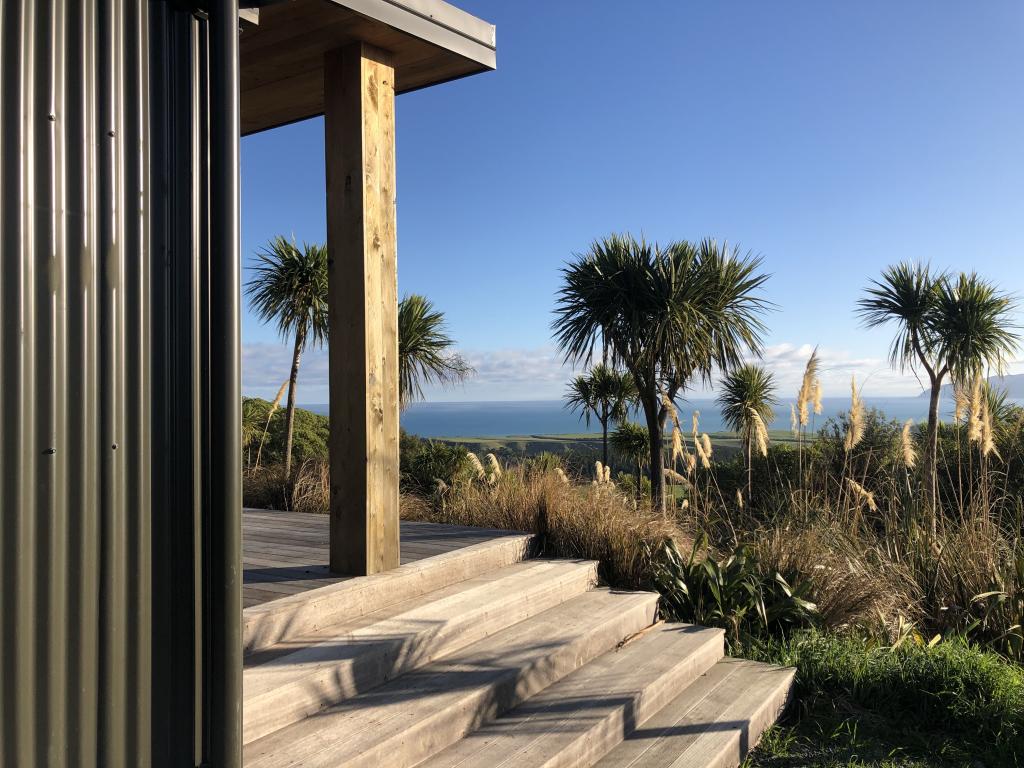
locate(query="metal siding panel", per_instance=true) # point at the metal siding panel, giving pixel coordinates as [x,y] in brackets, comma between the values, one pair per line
[225,574]
[105,339]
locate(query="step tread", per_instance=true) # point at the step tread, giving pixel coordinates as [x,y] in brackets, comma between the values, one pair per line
[276,621]
[712,724]
[418,714]
[580,718]
[320,669]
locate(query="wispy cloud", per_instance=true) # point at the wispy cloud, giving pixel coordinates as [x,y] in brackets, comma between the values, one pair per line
[539,374]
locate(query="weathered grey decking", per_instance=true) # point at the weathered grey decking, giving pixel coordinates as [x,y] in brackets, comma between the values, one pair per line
[286,552]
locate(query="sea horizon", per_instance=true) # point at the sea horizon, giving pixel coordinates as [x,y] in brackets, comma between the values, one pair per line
[509,418]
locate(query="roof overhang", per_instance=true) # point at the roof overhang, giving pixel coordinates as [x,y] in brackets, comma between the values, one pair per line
[282,56]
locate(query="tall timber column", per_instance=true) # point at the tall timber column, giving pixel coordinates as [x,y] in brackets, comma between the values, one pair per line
[359,126]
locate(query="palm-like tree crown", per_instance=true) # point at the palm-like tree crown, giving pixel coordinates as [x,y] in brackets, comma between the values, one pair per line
[289,288]
[957,325]
[630,442]
[603,391]
[971,327]
[745,391]
[669,313]
[614,390]
[666,315]
[906,296]
[580,397]
[424,349]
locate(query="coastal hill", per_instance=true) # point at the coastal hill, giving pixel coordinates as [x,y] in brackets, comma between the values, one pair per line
[1012,384]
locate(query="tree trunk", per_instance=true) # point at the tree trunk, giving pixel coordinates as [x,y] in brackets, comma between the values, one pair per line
[289,420]
[931,480]
[604,438]
[639,483]
[657,468]
[750,466]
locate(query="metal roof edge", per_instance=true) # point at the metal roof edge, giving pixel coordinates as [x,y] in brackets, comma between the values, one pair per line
[436,22]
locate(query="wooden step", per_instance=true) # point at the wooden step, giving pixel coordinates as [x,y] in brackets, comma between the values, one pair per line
[579,719]
[714,723]
[420,713]
[320,670]
[277,621]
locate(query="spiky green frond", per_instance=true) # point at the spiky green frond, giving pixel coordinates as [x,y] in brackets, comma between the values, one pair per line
[906,296]
[289,289]
[631,442]
[662,313]
[972,326]
[744,391]
[425,353]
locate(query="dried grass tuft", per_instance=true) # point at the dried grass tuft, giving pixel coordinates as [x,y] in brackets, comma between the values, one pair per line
[581,521]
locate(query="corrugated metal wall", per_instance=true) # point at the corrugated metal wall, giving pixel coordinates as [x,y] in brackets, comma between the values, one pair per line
[118,552]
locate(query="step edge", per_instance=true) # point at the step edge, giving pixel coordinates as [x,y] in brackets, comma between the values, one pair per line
[527,681]
[760,718]
[269,623]
[551,590]
[590,746]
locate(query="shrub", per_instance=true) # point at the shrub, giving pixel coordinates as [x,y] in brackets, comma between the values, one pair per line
[311,432]
[425,463]
[734,593]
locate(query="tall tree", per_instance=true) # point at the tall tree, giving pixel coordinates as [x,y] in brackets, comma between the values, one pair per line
[666,315]
[631,442]
[425,350]
[604,393]
[289,288]
[746,400]
[948,326]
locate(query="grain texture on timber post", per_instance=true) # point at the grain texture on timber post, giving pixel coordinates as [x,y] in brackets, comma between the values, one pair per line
[359,126]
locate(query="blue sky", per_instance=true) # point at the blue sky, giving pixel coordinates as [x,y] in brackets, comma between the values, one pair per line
[831,138]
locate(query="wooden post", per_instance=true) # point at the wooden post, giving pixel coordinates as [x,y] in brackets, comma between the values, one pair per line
[359,127]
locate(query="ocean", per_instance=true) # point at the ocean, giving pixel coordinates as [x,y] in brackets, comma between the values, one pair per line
[549,417]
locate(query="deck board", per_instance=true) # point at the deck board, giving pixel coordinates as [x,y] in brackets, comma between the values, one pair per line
[284,553]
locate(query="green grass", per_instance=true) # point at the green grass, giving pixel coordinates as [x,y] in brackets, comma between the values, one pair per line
[862,705]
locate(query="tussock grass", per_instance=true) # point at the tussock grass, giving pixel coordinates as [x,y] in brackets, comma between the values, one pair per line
[853,588]
[587,521]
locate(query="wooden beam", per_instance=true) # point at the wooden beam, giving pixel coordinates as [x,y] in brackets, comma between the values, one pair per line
[359,91]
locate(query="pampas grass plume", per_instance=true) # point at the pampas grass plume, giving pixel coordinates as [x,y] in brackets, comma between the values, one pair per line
[492,463]
[862,493]
[806,393]
[478,467]
[760,432]
[907,444]
[855,425]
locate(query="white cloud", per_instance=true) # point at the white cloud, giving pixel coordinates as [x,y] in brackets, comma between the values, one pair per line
[873,374]
[501,374]
[538,373]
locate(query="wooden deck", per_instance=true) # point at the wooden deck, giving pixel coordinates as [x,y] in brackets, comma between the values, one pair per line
[286,552]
